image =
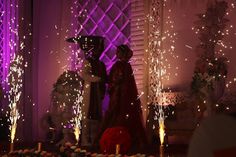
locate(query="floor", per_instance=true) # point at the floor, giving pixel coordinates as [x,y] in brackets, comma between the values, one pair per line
[173,150]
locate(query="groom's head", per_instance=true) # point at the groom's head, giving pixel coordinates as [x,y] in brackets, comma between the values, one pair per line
[93,46]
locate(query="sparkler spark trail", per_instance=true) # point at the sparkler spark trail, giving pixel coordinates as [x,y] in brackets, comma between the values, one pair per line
[15,82]
[76,120]
[156,59]
[158,63]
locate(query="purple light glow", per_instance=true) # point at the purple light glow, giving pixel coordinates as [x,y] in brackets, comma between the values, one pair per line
[110,19]
[9,35]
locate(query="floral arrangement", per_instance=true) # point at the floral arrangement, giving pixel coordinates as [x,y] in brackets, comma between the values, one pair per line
[209,68]
[113,137]
[70,150]
[29,153]
[66,150]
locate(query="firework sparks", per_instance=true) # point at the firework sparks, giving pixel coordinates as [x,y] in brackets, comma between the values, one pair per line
[76,120]
[15,82]
[158,63]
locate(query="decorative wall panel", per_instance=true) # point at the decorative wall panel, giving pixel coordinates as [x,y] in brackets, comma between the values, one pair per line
[137,41]
[1,39]
[110,19]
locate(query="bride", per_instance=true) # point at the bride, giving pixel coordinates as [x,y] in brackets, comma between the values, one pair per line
[124,106]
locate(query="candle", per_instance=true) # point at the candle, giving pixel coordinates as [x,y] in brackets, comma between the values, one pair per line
[39,146]
[11,147]
[117,149]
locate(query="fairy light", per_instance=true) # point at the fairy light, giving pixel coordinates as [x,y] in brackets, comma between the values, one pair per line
[15,82]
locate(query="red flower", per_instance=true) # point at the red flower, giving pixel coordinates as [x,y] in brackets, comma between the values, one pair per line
[113,136]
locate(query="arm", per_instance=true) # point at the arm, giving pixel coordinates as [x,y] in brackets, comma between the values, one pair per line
[86,74]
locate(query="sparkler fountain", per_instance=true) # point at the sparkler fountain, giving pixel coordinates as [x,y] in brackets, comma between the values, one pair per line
[156,68]
[76,120]
[15,82]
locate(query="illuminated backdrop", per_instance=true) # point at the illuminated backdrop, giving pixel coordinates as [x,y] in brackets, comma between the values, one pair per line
[110,19]
[8,34]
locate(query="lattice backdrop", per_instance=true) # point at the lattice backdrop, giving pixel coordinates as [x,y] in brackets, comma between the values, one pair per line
[1,39]
[110,19]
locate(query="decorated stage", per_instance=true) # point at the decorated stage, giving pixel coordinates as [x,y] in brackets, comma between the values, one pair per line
[69,150]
